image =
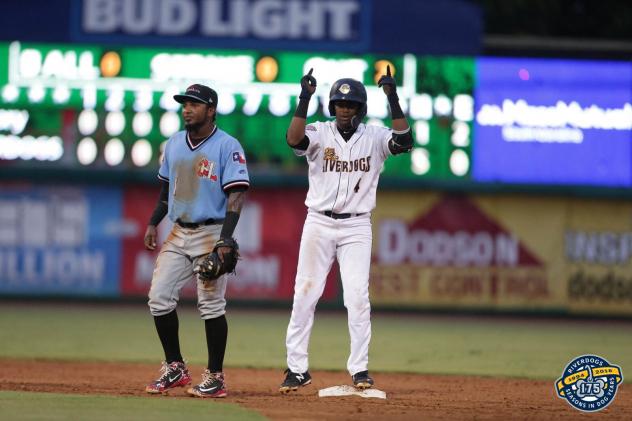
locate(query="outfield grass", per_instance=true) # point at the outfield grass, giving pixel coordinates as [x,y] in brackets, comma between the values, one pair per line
[53,406]
[532,348]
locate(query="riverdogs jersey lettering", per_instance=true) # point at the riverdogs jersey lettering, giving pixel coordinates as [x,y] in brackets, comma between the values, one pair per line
[343,176]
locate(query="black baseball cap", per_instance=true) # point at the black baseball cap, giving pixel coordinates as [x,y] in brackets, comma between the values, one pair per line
[199,93]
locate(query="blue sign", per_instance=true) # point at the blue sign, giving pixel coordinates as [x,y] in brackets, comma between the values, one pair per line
[564,122]
[60,241]
[343,24]
[360,26]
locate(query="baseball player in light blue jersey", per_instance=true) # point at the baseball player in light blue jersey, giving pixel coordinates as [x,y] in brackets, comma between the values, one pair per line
[203,183]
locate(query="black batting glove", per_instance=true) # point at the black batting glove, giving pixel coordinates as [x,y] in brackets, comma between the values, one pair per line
[308,85]
[387,82]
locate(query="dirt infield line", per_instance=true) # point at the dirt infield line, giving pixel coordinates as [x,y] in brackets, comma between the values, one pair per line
[410,396]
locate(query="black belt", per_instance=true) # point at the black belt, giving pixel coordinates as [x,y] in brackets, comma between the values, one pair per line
[334,215]
[210,221]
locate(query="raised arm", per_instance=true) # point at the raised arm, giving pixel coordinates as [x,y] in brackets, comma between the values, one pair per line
[295,136]
[402,140]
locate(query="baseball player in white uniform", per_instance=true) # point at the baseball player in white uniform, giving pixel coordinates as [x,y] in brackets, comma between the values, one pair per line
[345,158]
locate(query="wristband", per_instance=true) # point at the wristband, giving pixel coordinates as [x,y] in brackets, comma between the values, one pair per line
[230,222]
[396,109]
[301,108]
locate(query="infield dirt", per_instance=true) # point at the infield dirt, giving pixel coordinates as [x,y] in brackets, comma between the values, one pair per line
[410,396]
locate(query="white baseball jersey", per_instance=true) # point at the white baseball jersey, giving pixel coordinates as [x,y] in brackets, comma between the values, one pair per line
[343,176]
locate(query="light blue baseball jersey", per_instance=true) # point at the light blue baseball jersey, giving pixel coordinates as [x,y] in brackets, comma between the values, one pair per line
[200,175]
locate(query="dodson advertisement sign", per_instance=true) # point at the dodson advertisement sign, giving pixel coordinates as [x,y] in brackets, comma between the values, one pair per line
[502,253]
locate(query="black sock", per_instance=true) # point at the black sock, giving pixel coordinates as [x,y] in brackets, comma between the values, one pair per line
[167,328]
[216,334]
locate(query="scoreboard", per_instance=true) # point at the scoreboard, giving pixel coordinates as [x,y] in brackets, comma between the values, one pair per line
[95,107]
[475,120]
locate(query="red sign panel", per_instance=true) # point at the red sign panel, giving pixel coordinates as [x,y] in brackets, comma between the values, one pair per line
[269,235]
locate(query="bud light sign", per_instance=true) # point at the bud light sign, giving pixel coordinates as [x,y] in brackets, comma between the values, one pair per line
[564,122]
[237,23]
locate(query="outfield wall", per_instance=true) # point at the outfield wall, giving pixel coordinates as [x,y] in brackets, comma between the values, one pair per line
[502,252]
[486,252]
[76,241]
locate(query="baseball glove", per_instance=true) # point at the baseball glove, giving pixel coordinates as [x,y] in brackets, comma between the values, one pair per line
[211,266]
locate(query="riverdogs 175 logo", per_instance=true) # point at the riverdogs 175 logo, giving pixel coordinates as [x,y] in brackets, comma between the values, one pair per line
[589,383]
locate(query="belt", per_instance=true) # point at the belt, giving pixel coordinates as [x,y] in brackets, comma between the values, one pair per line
[334,215]
[209,221]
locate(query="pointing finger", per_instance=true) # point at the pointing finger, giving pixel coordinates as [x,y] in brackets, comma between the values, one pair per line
[388,70]
[310,71]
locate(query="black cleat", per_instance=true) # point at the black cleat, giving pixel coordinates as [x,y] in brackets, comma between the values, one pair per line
[294,380]
[172,375]
[212,386]
[362,380]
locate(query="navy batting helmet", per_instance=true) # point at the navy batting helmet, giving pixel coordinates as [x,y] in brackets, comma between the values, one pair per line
[348,89]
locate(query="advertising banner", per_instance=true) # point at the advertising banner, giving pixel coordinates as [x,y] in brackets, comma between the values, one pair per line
[565,122]
[448,251]
[511,253]
[598,257]
[59,241]
[360,26]
[325,24]
[269,233]
[430,250]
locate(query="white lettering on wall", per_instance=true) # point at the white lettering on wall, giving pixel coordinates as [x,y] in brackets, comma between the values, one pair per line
[219,69]
[441,248]
[100,15]
[329,70]
[41,223]
[562,123]
[268,19]
[139,16]
[259,272]
[49,268]
[176,16]
[605,248]
[542,135]
[56,64]
[41,244]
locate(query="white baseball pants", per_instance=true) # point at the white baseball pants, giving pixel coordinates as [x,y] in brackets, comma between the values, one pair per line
[178,256]
[323,239]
